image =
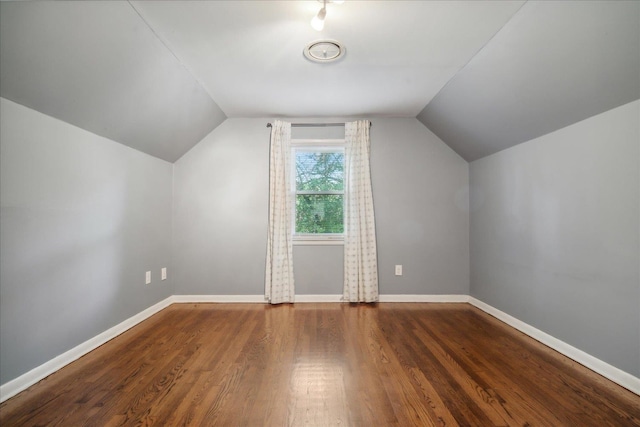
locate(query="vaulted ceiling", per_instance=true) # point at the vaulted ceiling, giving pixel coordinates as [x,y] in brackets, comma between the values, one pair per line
[160,75]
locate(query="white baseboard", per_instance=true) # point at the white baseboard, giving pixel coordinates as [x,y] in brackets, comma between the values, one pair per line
[318,298]
[314,298]
[230,299]
[26,380]
[218,298]
[424,298]
[249,298]
[616,375]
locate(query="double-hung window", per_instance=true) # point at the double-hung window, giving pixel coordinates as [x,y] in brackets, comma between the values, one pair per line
[318,187]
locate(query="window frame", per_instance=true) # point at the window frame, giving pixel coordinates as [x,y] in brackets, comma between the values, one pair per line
[315,146]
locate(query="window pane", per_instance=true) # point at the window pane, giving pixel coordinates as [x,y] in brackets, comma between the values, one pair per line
[319,213]
[319,171]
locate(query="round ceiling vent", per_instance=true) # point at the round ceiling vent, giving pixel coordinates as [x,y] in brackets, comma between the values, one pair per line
[324,51]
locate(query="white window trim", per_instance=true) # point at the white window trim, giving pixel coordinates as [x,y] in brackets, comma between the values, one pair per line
[313,239]
[317,142]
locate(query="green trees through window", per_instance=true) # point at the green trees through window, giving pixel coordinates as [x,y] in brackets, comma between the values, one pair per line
[319,191]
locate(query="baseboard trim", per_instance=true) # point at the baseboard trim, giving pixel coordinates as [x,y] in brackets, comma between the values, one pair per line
[26,380]
[424,298]
[316,298]
[231,299]
[218,298]
[616,375]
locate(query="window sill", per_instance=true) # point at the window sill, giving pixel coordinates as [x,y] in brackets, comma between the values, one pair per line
[318,242]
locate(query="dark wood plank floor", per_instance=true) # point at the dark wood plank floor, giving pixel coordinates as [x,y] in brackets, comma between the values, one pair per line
[323,365]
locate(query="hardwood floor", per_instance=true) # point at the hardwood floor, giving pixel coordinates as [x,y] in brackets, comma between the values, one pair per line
[391,364]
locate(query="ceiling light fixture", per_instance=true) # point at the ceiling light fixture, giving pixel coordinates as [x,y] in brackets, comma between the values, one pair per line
[317,23]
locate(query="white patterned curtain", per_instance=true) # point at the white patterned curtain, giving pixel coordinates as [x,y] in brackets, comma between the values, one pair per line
[360,252]
[279,286]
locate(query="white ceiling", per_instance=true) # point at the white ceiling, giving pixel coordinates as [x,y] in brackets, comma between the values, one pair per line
[159,75]
[248,54]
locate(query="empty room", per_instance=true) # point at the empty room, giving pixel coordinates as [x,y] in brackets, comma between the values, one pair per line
[320,213]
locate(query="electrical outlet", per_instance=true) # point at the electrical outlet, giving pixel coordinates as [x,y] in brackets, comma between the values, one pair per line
[147,278]
[398,270]
[163,273]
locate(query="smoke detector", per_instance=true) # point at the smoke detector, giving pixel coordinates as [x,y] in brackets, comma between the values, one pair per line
[324,51]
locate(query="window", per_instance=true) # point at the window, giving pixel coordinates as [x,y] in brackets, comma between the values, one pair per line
[319,191]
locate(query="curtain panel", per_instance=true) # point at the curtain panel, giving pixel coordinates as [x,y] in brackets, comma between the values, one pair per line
[360,250]
[279,284]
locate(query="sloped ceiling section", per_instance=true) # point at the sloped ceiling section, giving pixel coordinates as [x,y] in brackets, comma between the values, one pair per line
[248,54]
[160,75]
[554,64]
[98,66]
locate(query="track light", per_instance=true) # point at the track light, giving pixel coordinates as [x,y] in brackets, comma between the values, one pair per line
[317,23]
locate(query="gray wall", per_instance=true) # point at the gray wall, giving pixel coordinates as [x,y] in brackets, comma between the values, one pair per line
[555,230]
[555,234]
[220,214]
[81,218]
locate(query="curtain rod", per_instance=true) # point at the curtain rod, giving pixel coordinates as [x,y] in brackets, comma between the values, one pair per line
[315,125]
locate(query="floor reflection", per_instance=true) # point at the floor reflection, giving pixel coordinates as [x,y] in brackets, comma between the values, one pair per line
[318,392]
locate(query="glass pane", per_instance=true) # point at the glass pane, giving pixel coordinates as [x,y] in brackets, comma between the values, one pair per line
[319,213]
[319,171]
